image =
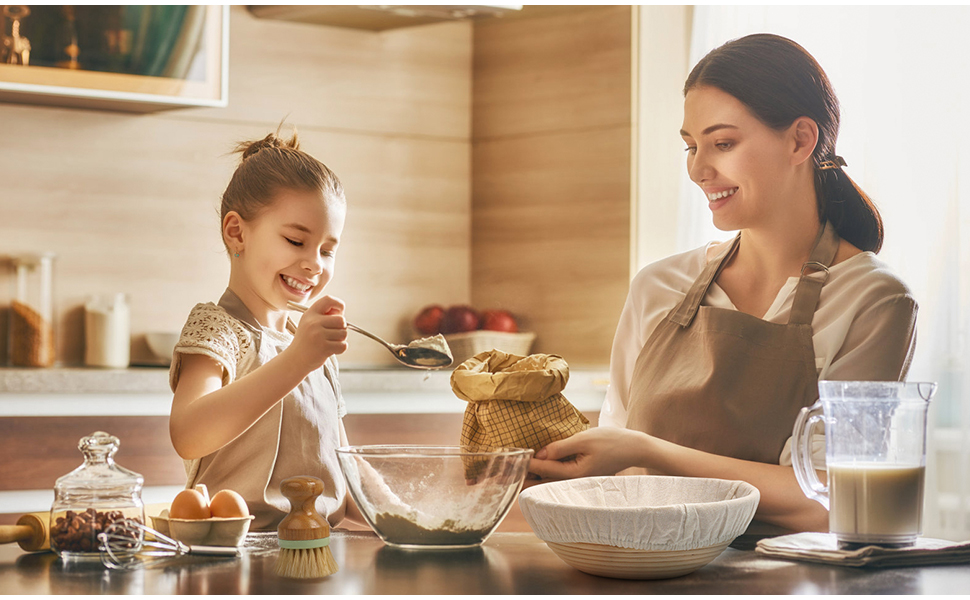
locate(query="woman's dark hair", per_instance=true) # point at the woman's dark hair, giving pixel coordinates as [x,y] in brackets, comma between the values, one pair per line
[779,81]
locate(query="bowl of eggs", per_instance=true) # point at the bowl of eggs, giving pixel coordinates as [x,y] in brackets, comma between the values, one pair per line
[194,519]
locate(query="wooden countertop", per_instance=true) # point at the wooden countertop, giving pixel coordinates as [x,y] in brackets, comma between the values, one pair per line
[144,391]
[508,563]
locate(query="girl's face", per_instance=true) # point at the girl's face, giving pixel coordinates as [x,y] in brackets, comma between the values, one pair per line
[743,166]
[288,250]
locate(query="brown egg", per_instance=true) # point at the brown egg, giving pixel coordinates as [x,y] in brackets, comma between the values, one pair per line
[228,504]
[189,504]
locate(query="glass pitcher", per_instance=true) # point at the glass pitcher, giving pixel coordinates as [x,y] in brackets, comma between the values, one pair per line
[875,453]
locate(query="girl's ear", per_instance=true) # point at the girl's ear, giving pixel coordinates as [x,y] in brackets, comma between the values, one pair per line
[804,132]
[232,231]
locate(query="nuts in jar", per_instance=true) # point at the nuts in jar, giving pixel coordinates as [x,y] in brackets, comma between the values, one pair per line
[78,531]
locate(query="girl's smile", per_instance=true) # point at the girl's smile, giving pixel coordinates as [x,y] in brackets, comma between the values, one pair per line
[288,252]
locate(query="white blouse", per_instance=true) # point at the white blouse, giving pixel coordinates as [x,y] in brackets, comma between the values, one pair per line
[864,327]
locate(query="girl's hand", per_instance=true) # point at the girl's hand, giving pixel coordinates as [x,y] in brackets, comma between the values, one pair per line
[596,451]
[321,334]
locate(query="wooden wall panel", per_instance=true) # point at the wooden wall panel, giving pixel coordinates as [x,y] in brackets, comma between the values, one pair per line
[552,73]
[551,184]
[130,202]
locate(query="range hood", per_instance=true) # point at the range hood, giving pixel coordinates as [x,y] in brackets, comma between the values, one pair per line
[379,17]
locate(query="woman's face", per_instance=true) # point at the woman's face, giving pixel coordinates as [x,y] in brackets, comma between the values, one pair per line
[742,165]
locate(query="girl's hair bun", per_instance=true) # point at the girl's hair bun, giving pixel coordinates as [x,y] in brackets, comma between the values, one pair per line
[273,141]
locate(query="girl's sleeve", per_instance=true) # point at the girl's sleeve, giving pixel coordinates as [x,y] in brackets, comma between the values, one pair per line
[209,331]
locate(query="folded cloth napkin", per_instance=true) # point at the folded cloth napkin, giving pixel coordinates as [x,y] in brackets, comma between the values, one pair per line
[824,548]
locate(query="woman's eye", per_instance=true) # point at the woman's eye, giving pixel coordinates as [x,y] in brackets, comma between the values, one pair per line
[690,149]
[294,242]
[724,145]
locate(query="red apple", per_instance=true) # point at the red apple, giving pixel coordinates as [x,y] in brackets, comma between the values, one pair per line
[498,320]
[459,319]
[428,321]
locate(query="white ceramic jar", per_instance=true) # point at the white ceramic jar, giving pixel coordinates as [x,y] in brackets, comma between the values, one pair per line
[107,331]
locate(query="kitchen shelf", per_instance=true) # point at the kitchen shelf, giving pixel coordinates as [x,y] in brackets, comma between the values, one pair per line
[126,92]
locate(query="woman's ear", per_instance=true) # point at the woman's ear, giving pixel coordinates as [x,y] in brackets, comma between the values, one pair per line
[804,132]
[232,231]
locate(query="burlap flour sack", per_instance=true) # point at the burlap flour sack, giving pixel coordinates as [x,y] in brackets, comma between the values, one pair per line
[514,402]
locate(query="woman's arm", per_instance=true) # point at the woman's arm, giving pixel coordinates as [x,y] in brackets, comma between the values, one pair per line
[607,451]
[206,416]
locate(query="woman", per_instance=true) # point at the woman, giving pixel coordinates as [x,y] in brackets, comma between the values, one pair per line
[718,349]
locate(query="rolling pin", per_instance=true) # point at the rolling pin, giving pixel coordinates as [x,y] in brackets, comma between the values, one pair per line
[32,530]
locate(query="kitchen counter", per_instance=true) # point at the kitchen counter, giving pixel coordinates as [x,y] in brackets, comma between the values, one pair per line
[508,563]
[144,391]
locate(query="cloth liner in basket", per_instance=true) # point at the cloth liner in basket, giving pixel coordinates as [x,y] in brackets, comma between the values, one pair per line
[643,512]
[513,402]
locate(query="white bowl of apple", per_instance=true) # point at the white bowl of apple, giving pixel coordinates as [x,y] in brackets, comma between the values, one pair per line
[470,332]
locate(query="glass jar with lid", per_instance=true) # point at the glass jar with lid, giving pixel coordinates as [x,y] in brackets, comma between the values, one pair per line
[31,336]
[90,498]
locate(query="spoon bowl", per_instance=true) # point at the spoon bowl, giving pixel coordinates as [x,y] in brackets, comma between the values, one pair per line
[427,353]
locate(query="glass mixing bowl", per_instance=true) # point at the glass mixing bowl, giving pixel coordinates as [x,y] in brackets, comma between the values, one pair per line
[433,496]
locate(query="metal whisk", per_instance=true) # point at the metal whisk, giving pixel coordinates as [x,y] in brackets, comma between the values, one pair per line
[128,544]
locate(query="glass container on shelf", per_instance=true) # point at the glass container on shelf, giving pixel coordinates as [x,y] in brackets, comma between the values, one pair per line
[31,335]
[90,498]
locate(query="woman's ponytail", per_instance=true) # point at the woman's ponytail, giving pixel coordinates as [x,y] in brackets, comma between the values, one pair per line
[850,210]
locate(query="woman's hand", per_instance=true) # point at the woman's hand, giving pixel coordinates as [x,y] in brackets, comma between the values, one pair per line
[321,334]
[596,451]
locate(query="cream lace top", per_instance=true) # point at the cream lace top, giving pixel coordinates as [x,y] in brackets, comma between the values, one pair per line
[298,436]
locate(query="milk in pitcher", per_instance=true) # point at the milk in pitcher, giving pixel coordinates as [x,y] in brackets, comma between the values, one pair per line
[870,501]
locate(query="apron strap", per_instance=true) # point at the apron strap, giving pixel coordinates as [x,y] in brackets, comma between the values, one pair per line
[807,291]
[809,286]
[684,313]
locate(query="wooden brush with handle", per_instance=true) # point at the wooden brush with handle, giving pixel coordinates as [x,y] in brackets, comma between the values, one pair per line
[304,535]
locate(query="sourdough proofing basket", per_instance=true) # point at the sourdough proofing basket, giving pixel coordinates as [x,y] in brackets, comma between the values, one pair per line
[639,527]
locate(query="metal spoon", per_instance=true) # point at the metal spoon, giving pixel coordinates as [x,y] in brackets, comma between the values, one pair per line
[415,355]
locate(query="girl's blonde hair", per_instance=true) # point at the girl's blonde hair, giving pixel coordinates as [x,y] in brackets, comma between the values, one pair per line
[270,165]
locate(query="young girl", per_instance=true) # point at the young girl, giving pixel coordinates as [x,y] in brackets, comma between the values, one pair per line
[256,398]
[718,348]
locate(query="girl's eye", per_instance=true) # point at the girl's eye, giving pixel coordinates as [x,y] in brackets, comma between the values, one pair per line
[294,242]
[724,145]
[327,253]
[690,149]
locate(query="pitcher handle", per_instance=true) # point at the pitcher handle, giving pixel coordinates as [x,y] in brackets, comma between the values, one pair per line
[801,456]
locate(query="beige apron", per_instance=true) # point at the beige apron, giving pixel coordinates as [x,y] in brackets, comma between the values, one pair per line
[297,436]
[724,381]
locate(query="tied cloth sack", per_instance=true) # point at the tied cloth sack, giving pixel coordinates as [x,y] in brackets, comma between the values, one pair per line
[513,402]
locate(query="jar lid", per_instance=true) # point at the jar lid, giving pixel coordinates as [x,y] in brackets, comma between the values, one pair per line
[99,474]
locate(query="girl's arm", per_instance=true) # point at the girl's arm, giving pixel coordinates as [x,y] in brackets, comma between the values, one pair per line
[608,450]
[206,416]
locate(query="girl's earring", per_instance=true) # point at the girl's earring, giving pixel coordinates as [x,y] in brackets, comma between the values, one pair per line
[237,255]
